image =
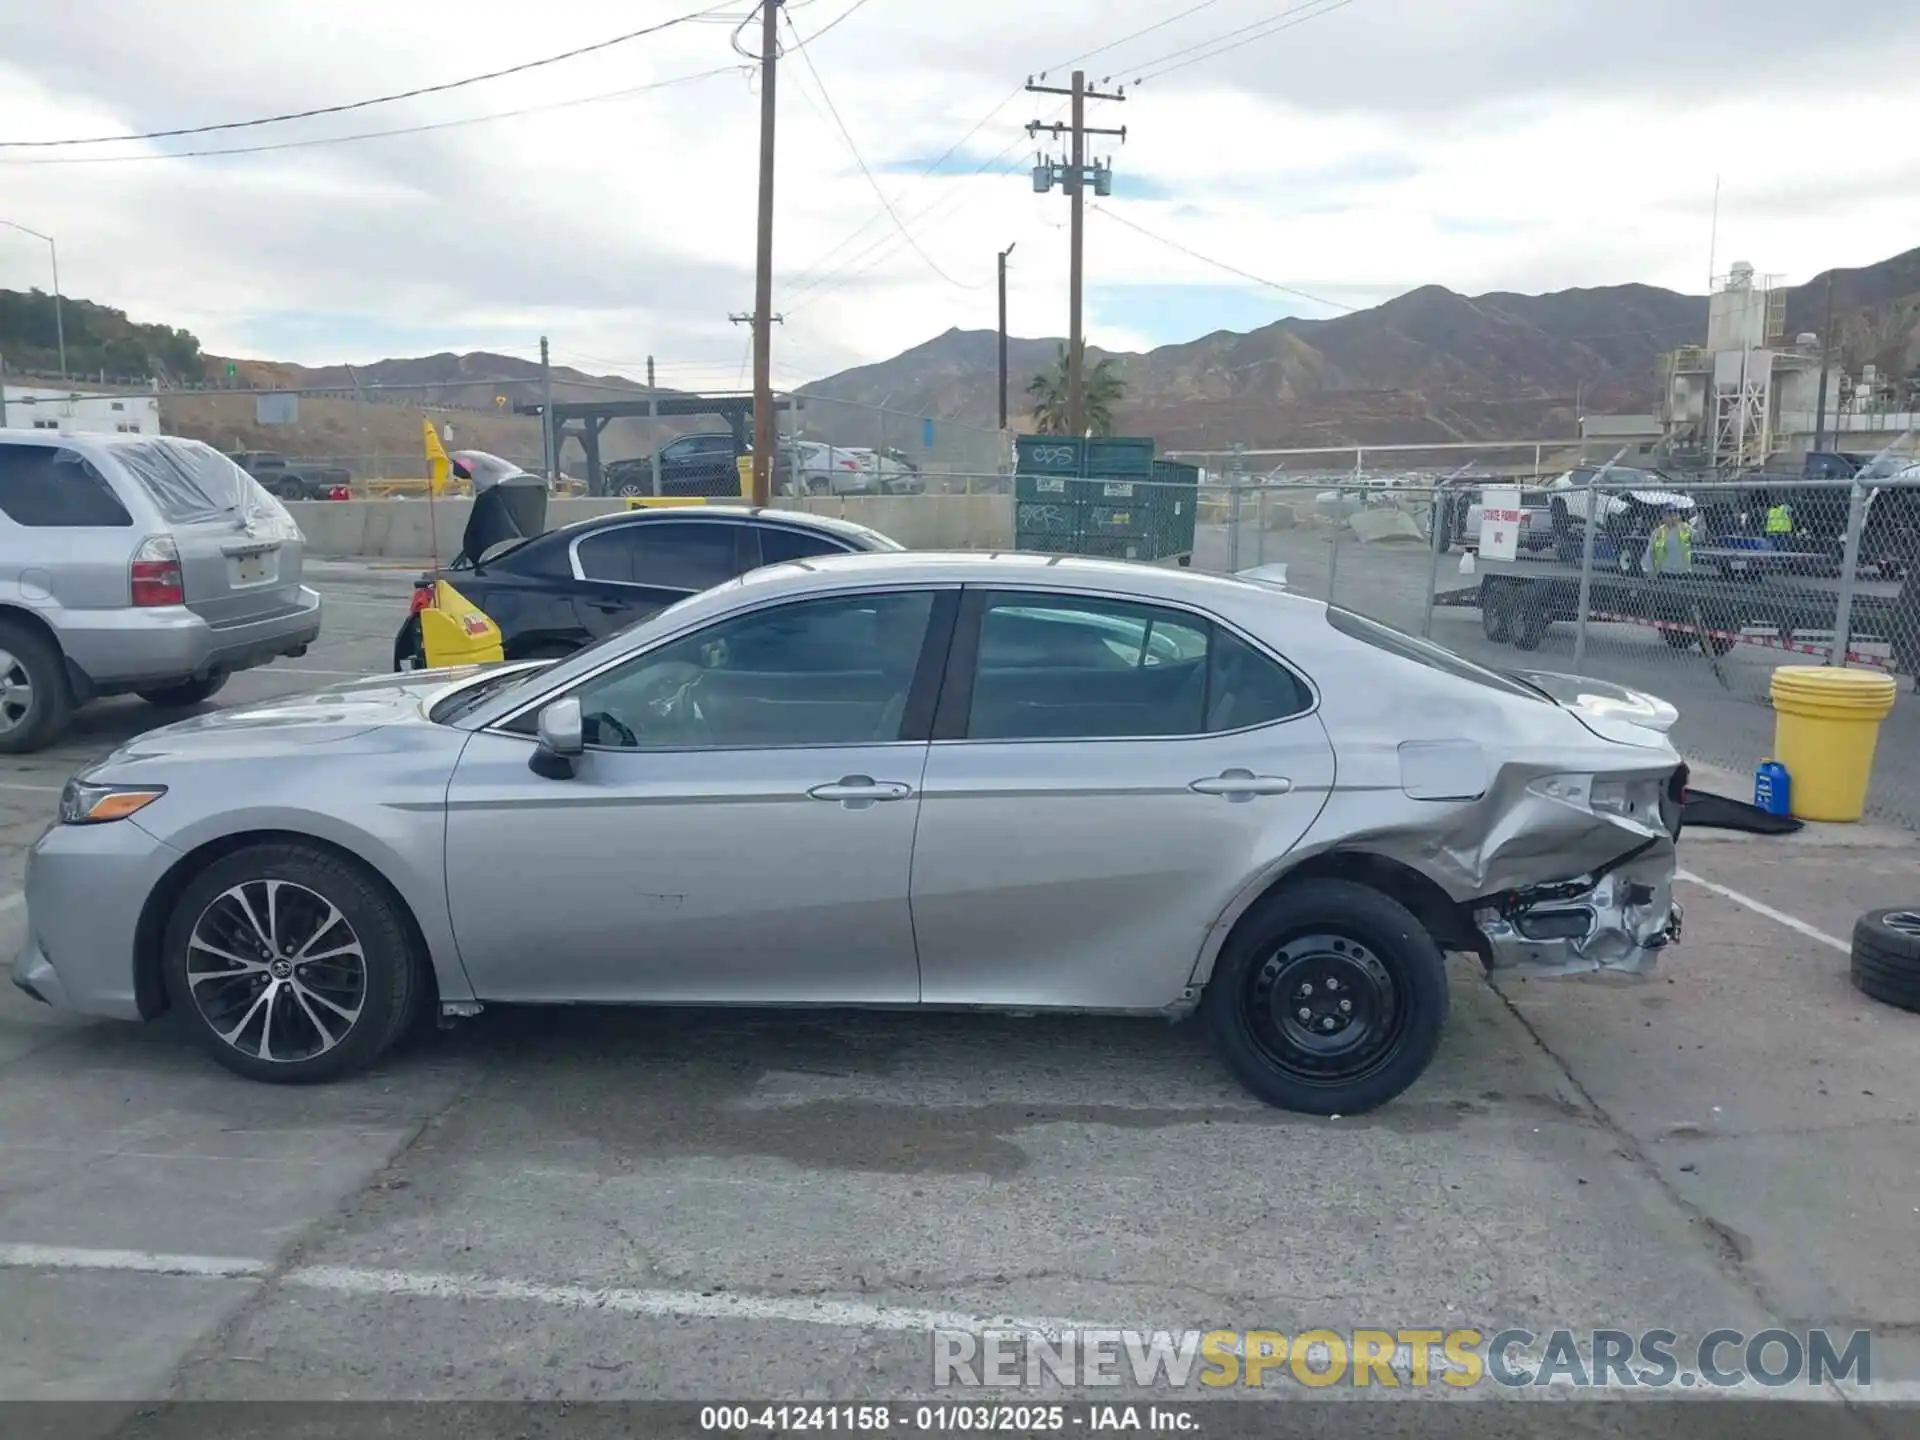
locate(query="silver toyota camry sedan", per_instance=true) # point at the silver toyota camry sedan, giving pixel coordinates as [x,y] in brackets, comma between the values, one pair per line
[890,780]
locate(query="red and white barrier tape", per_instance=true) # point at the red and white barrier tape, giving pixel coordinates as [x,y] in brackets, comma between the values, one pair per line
[1797,647]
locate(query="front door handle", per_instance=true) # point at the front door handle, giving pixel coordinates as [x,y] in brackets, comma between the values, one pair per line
[857,792]
[1239,785]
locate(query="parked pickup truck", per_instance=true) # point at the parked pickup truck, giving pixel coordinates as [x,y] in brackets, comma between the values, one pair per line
[293,480]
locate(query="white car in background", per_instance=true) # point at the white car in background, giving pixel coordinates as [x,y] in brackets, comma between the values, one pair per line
[891,472]
[821,469]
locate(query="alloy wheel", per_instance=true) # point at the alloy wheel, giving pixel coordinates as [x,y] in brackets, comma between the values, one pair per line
[16,692]
[276,971]
[1903,922]
[1324,1010]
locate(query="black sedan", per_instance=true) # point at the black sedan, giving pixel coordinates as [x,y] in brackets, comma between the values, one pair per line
[558,591]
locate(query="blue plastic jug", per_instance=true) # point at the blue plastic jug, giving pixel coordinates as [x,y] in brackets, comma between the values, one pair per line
[1773,788]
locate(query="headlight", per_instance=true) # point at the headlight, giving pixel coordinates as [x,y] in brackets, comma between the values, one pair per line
[86,804]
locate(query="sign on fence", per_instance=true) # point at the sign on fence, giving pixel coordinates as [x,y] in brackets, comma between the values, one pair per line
[276,408]
[1499,524]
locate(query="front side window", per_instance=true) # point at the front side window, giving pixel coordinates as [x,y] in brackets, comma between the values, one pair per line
[45,487]
[1063,668]
[817,672]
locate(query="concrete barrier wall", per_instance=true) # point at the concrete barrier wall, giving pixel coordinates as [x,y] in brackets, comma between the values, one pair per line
[415,530]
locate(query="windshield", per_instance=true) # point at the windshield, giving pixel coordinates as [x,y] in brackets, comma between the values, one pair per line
[1425,652]
[189,482]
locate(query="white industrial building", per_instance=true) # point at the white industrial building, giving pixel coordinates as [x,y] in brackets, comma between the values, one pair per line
[75,412]
[1749,394]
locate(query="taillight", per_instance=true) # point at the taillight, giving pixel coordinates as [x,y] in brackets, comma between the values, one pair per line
[340,492]
[154,578]
[422,599]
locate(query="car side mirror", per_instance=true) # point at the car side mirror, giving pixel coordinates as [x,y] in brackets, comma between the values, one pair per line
[562,733]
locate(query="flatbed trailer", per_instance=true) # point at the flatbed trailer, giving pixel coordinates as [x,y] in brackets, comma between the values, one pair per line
[1519,601]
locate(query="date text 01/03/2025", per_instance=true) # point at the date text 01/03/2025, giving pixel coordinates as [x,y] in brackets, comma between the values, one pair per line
[944,1418]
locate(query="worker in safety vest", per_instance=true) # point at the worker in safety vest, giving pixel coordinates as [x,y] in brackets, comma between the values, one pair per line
[1670,550]
[1779,522]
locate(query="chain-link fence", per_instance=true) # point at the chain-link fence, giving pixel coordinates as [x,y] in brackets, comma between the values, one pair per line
[925,443]
[1696,593]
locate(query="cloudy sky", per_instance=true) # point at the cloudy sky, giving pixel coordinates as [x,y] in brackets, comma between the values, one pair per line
[1344,149]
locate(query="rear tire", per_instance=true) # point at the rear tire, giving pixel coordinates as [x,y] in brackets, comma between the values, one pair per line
[1496,612]
[261,908]
[187,692]
[1384,968]
[35,701]
[1531,621]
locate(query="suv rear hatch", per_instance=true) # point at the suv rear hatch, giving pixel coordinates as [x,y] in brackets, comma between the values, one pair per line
[241,554]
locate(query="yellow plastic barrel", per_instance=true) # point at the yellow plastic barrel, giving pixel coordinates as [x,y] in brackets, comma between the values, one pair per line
[1826,723]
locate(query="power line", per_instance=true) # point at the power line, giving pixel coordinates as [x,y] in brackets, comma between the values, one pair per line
[1234,39]
[854,150]
[935,164]
[412,94]
[837,20]
[1134,35]
[830,280]
[1222,265]
[623,94]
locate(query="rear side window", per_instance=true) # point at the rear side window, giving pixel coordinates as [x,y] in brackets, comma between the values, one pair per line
[45,487]
[671,554]
[778,544]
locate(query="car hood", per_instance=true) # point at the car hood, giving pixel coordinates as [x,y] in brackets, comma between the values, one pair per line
[1613,712]
[320,717]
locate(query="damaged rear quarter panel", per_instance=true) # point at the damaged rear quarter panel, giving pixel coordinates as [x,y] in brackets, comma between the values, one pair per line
[1436,735]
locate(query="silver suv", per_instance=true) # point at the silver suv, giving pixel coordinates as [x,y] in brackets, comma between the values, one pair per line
[136,563]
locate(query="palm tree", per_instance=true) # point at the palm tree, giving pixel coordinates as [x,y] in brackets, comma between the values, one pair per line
[1103,385]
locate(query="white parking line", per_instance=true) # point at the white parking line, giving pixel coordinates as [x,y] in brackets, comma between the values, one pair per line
[1779,917]
[666,1304]
[657,1304]
[142,1262]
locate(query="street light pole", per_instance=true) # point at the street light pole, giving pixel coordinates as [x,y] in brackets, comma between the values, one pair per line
[1003,334]
[53,254]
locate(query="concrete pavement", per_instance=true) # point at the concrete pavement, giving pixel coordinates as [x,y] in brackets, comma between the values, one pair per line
[587,1204]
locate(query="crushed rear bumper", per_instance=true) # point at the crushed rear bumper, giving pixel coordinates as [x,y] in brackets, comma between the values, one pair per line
[1620,923]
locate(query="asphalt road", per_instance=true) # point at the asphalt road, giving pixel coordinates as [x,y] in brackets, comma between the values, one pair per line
[708,1205]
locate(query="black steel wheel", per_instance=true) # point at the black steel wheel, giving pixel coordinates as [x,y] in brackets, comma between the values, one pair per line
[1328,998]
[1886,956]
[291,964]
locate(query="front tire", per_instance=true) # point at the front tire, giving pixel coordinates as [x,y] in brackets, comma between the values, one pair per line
[291,964]
[187,692]
[1363,971]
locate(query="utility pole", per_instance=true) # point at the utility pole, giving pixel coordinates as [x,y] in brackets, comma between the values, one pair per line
[548,459]
[1826,364]
[764,435]
[649,372]
[1073,177]
[1003,334]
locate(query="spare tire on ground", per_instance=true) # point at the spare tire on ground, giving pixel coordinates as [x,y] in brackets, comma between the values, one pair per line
[1886,956]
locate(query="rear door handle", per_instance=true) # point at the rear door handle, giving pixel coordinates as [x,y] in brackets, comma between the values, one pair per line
[857,792]
[1239,785]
